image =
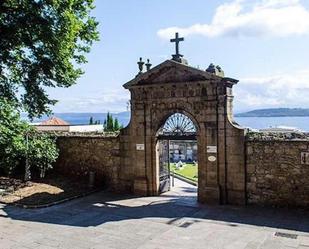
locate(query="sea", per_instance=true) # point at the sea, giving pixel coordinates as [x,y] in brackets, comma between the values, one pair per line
[301,123]
[84,118]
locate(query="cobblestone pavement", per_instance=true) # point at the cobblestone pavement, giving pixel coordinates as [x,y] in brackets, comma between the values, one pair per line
[173,220]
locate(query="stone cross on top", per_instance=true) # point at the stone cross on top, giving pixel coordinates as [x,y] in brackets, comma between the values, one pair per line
[177,56]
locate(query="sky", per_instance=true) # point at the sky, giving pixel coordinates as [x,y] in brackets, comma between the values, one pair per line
[262,43]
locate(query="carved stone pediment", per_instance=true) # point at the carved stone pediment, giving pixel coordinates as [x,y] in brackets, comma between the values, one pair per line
[174,72]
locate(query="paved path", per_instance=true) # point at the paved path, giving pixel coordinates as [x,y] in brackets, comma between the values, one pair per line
[173,220]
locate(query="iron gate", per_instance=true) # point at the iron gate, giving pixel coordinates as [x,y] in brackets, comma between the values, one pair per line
[164,166]
[177,127]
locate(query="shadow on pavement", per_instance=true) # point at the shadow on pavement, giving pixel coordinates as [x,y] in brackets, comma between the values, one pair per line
[105,207]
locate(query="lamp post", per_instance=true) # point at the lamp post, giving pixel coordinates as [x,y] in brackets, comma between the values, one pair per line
[27,166]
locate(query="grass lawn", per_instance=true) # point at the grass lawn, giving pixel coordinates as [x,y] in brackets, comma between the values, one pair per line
[187,170]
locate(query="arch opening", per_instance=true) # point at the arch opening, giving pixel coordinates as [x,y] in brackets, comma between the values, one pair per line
[177,155]
[178,126]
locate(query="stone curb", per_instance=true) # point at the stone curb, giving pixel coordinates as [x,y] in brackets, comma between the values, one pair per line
[51,204]
[184,179]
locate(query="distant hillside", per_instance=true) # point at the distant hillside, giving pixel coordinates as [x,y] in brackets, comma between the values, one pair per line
[83,118]
[276,112]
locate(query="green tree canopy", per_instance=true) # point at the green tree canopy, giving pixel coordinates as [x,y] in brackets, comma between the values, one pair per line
[18,141]
[116,125]
[111,124]
[12,139]
[42,42]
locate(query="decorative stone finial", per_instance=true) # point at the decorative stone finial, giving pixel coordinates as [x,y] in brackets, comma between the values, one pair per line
[211,68]
[148,65]
[140,65]
[220,72]
[217,70]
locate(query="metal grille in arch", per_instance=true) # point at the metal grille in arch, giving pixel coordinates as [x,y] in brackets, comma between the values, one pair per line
[178,124]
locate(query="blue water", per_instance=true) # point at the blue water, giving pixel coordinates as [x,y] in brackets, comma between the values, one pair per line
[84,118]
[301,123]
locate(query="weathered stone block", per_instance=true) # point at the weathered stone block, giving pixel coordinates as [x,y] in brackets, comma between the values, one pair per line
[279,178]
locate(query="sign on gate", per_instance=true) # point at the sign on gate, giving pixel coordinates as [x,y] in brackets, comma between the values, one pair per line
[140,146]
[211,149]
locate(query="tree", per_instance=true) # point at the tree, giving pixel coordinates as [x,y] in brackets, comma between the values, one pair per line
[42,43]
[20,141]
[116,125]
[91,121]
[12,142]
[41,152]
[110,124]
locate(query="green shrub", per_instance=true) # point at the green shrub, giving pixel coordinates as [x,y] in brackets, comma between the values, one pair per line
[42,151]
[20,141]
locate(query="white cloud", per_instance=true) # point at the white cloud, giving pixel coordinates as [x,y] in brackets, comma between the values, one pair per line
[250,18]
[112,100]
[280,90]
[287,89]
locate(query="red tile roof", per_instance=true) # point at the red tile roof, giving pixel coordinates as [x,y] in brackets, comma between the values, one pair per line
[54,121]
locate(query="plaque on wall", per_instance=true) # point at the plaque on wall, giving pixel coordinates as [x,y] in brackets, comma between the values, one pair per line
[140,146]
[304,157]
[212,158]
[211,149]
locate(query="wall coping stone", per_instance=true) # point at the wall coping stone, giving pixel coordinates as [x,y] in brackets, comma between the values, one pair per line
[278,136]
[83,134]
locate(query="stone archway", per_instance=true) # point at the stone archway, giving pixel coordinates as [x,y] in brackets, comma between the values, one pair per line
[177,130]
[206,98]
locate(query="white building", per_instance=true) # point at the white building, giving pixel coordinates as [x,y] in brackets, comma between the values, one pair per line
[280,129]
[57,124]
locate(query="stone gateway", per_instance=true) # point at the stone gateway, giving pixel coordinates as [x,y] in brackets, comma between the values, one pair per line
[205,97]
[233,167]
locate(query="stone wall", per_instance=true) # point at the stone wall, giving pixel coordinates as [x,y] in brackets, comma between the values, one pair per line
[276,175]
[80,154]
